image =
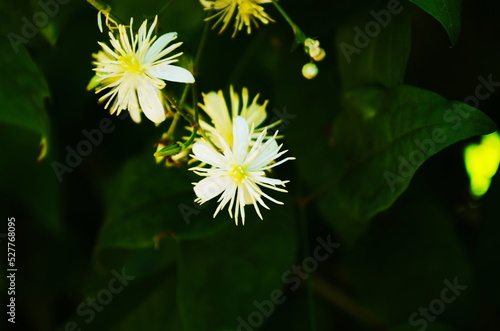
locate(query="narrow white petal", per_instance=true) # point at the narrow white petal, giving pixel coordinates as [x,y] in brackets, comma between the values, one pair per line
[172,73]
[133,108]
[241,134]
[210,187]
[235,102]
[159,45]
[215,106]
[207,154]
[151,102]
[228,195]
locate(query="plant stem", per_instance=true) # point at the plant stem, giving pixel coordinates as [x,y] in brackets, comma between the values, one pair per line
[165,7]
[343,302]
[171,129]
[194,122]
[299,35]
[106,9]
[201,46]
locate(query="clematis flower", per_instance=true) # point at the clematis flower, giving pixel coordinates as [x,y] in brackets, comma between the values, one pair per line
[133,71]
[239,172]
[216,108]
[247,12]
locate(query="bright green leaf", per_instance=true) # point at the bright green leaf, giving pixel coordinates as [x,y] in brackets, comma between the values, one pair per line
[447,12]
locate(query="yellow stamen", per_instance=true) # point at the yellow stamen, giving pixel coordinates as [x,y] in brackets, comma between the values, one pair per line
[239,174]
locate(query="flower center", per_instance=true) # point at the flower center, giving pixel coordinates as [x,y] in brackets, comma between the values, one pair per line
[131,64]
[246,7]
[239,175]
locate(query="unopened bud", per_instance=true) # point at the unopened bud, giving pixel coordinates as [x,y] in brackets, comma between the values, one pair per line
[311,47]
[309,70]
[320,56]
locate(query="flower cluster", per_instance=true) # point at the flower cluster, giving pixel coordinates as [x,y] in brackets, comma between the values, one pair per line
[230,144]
[242,154]
[311,47]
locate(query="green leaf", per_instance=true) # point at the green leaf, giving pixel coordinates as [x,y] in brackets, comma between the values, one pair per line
[22,90]
[147,200]
[27,182]
[382,138]
[158,311]
[415,250]
[371,59]
[130,305]
[447,12]
[220,277]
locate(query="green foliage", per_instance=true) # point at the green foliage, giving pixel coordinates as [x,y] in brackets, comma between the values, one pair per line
[372,61]
[233,263]
[378,141]
[23,91]
[383,137]
[447,12]
[147,200]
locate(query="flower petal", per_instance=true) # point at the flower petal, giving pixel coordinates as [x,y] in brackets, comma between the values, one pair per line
[210,187]
[241,134]
[207,154]
[159,45]
[150,101]
[172,73]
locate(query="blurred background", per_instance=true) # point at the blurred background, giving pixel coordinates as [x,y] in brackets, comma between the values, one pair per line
[115,242]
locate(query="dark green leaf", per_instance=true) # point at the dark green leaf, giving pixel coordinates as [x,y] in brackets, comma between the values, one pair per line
[28,182]
[147,200]
[221,276]
[158,310]
[447,12]
[423,255]
[383,137]
[373,53]
[22,90]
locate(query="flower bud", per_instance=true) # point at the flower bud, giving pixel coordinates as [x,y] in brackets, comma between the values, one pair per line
[309,70]
[320,56]
[311,47]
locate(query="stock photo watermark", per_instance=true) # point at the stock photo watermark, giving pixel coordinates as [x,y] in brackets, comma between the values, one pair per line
[436,307]
[11,269]
[92,305]
[293,277]
[40,19]
[93,138]
[425,148]
[372,29]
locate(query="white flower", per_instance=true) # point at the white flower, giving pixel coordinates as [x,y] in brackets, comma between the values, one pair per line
[134,69]
[238,174]
[216,108]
